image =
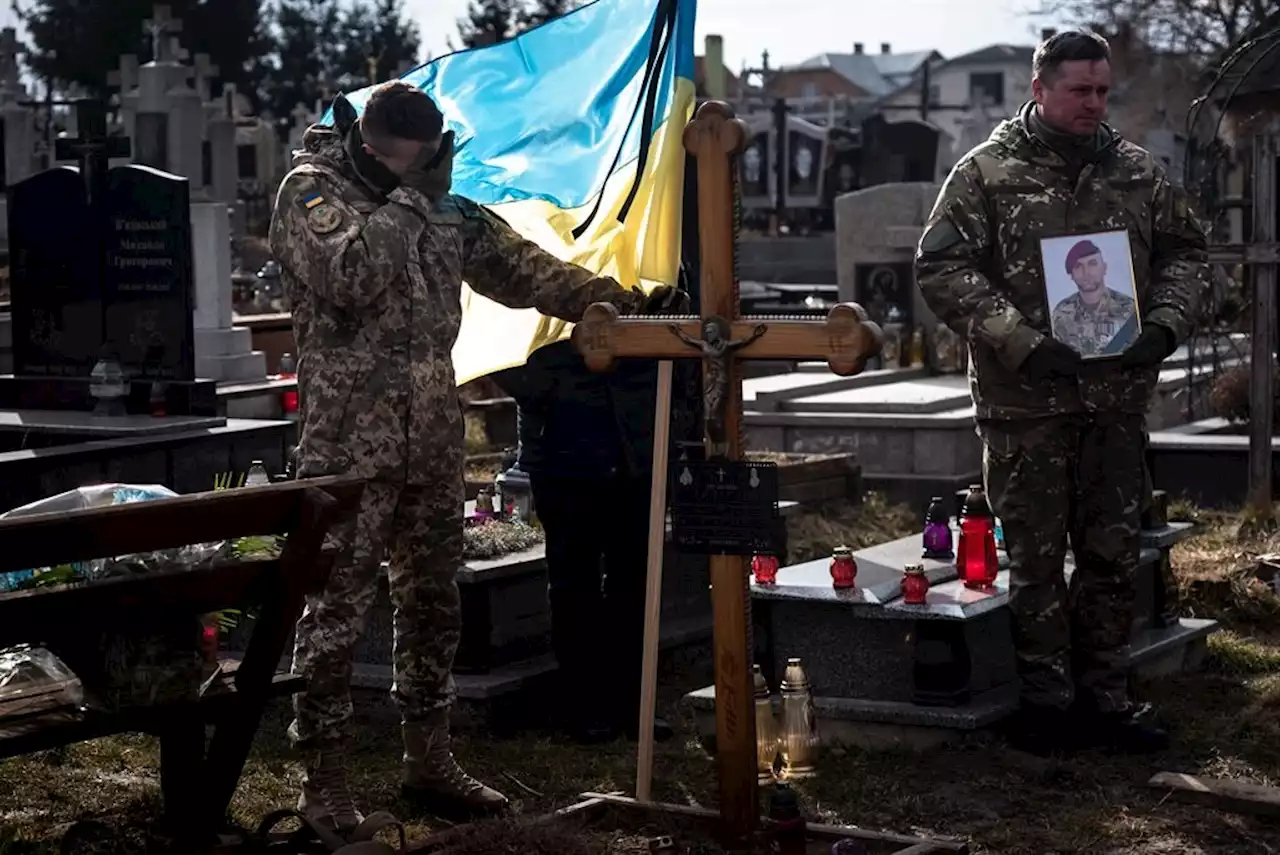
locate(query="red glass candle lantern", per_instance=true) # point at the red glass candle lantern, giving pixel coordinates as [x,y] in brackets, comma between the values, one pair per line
[915,585]
[765,569]
[844,569]
[976,560]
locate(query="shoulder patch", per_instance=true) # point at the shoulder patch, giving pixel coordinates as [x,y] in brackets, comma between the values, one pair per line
[940,236]
[311,200]
[324,219]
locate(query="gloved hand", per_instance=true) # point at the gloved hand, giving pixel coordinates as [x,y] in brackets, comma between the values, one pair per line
[1052,358]
[1154,344]
[665,300]
[432,173]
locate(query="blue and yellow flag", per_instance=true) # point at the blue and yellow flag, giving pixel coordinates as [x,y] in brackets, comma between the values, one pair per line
[572,133]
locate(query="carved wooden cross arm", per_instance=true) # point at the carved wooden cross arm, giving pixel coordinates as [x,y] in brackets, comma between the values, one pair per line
[846,339]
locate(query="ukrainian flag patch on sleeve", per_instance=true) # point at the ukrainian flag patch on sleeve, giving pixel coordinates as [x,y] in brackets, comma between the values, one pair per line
[310,200]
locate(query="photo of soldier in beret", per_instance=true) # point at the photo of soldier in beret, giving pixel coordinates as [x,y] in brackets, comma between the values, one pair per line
[1093,318]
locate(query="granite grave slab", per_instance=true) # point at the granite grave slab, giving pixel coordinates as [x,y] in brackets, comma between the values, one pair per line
[943,667]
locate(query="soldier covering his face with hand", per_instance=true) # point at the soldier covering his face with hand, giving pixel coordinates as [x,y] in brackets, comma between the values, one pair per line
[373,251]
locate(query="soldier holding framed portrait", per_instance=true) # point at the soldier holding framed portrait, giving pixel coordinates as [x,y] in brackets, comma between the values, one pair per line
[1073,266]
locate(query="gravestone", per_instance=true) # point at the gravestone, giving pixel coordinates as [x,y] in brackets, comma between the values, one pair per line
[908,150]
[755,165]
[18,137]
[101,267]
[877,231]
[806,155]
[148,291]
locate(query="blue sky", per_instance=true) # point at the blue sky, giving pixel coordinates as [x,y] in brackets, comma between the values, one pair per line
[793,31]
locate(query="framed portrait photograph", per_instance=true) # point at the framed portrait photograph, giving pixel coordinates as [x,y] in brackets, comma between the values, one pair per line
[1092,298]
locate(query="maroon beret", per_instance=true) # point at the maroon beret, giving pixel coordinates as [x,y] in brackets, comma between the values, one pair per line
[1082,249]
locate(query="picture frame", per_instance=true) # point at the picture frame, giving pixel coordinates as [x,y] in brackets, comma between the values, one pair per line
[1091,292]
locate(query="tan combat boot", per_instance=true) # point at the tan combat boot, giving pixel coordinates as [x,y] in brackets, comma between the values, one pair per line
[434,780]
[325,798]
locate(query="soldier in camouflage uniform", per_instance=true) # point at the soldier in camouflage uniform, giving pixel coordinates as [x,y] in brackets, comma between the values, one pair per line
[1063,439]
[373,250]
[1096,320]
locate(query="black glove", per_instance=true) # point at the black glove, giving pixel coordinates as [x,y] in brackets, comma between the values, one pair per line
[1052,358]
[432,174]
[1153,346]
[665,300]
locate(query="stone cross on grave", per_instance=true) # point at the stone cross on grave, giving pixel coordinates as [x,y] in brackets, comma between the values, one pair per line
[301,117]
[846,339]
[125,78]
[9,50]
[161,27]
[206,71]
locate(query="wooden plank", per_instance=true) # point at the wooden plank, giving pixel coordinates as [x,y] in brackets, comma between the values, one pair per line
[1266,149]
[43,733]
[1221,793]
[44,540]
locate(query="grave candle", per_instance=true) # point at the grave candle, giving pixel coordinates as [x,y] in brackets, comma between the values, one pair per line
[844,569]
[766,728]
[799,722]
[765,569]
[915,585]
[976,559]
[937,531]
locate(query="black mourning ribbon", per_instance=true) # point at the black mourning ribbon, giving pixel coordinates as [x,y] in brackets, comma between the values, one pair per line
[663,27]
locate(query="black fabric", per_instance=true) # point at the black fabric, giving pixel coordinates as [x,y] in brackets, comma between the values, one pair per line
[596,544]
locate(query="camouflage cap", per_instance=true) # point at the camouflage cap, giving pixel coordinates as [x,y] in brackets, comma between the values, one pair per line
[1082,249]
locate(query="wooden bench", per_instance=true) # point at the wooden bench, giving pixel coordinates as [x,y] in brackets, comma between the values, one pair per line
[197,781]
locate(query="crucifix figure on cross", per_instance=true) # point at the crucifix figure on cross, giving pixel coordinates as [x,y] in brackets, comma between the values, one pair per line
[160,27]
[846,339]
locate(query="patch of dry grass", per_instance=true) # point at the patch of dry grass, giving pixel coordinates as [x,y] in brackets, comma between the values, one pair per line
[815,531]
[1225,720]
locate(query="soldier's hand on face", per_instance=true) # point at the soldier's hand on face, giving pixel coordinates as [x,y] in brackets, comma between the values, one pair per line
[1052,358]
[665,300]
[1153,345]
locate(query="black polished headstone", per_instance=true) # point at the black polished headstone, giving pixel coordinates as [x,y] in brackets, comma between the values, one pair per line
[894,152]
[148,286]
[54,296]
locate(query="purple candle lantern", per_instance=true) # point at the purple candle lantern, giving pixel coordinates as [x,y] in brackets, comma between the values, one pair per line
[937,532]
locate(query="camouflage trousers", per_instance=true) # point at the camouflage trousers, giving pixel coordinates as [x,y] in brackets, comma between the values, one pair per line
[419,531]
[1082,478]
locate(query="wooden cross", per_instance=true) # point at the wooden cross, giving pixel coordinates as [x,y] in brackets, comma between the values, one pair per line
[206,71]
[846,339]
[160,26]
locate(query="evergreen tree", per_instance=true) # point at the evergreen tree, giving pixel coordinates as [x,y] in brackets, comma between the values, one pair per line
[541,11]
[81,41]
[489,22]
[378,38]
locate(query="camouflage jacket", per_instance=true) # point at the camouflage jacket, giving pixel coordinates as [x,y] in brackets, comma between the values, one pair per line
[375,287]
[979,262]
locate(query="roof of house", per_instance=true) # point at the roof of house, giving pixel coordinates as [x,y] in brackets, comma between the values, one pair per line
[994,54]
[875,74]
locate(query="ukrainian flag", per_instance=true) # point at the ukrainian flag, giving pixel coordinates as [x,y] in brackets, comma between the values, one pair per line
[572,133]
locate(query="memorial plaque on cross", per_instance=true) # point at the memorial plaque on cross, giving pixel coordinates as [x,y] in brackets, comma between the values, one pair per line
[846,339]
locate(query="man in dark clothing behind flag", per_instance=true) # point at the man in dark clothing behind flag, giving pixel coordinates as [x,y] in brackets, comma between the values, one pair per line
[586,443]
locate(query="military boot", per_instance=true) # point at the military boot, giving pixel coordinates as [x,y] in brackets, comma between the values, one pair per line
[325,798]
[434,781]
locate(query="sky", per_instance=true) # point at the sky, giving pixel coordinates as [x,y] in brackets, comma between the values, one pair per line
[794,30]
